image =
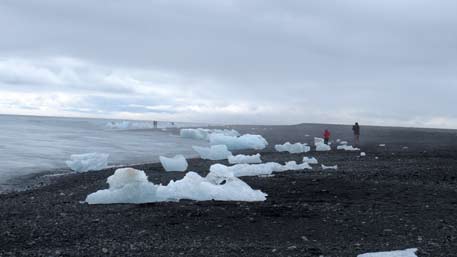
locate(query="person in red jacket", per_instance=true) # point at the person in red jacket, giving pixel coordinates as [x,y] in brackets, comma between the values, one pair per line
[326,136]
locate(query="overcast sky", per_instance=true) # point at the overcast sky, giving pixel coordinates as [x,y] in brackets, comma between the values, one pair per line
[385,62]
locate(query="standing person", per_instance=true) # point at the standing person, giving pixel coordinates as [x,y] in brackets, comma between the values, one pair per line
[356,130]
[326,136]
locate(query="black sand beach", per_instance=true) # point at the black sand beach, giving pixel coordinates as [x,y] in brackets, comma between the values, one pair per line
[404,198]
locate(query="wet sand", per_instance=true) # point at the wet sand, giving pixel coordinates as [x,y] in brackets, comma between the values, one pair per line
[404,198]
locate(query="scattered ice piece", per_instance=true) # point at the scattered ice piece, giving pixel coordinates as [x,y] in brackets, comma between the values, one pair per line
[88,161]
[307,135]
[334,167]
[310,160]
[347,148]
[129,185]
[293,148]
[241,158]
[343,142]
[321,147]
[376,157]
[246,141]
[177,163]
[240,170]
[404,147]
[402,253]
[382,145]
[338,140]
[214,152]
[363,154]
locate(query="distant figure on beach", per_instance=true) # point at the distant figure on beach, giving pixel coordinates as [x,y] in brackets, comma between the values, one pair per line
[155,124]
[326,136]
[356,130]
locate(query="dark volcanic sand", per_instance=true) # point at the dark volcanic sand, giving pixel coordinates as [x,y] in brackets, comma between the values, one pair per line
[406,198]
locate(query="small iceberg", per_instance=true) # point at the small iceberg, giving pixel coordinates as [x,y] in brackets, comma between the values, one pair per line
[247,141]
[214,152]
[177,163]
[88,162]
[293,148]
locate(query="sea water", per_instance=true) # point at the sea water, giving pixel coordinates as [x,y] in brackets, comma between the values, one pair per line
[37,145]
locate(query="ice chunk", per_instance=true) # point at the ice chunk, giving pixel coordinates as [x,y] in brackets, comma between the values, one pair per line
[382,145]
[293,148]
[195,187]
[88,161]
[363,154]
[127,185]
[268,168]
[203,134]
[177,163]
[310,160]
[198,133]
[347,148]
[401,253]
[334,167]
[292,165]
[241,158]
[321,147]
[226,132]
[343,142]
[318,140]
[214,152]
[132,186]
[338,140]
[246,141]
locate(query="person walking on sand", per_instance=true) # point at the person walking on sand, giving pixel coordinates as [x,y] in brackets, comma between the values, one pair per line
[356,130]
[326,136]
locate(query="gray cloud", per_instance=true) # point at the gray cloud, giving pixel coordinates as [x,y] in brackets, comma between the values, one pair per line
[382,62]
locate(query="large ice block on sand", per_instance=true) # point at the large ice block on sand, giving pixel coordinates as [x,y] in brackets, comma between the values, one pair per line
[247,159]
[246,141]
[128,185]
[214,152]
[88,161]
[401,253]
[177,163]
[293,148]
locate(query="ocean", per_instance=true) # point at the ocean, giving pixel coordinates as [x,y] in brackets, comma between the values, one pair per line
[35,145]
